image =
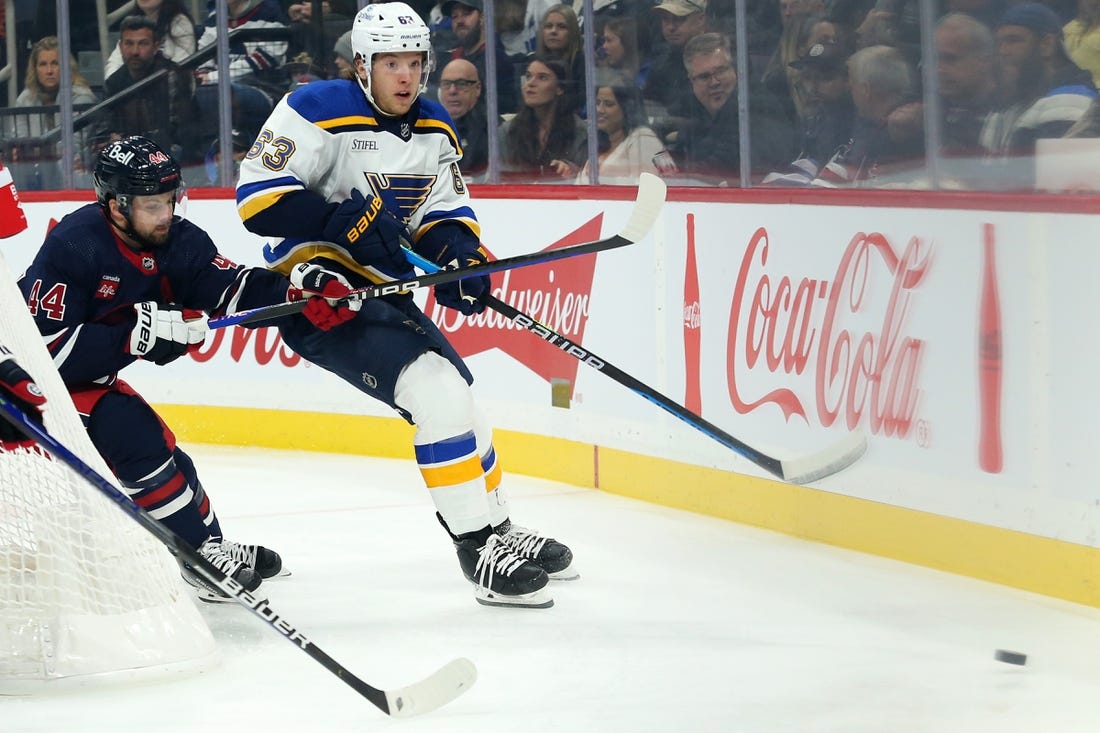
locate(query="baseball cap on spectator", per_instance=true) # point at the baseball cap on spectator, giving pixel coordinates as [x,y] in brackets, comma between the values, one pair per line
[825,56]
[682,8]
[1036,17]
[447,6]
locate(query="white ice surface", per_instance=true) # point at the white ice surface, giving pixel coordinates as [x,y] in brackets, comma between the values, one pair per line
[679,623]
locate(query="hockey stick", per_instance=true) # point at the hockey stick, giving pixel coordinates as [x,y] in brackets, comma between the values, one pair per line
[444,685]
[647,205]
[797,471]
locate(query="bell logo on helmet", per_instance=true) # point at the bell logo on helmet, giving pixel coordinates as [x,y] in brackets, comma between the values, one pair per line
[115,152]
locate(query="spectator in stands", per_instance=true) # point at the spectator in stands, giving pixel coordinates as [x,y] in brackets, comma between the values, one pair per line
[779,76]
[966,51]
[42,85]
[335,20]
[617,53]
[1044,93]
[545,140]
[344,57]
[174,27]
[468,26]
[823,73]
[667,83]
[160,111]
[706,146]
[1082,36]
[627,145]
[560,38]
[460,95]
[881,80]
[255,68]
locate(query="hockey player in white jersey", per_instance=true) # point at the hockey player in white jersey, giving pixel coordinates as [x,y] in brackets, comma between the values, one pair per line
[341,170]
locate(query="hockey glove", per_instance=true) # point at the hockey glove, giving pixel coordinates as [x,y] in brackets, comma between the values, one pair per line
[18,387]
[453,248]
[323,288]
[164,333]
[370,233]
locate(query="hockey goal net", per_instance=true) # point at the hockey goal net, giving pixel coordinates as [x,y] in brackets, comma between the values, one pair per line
[86,595]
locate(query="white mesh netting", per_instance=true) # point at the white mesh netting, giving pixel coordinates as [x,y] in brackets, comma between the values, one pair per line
[85,593]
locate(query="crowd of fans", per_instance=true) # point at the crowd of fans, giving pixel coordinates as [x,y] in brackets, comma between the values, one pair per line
[833,89]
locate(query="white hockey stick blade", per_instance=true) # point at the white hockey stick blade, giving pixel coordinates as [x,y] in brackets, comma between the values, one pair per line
[450,681]
[825,462]
[647,207]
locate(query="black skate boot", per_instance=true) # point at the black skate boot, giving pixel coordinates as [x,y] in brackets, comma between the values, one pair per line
[500,577]
[239,571]
[264,561]
[546,552]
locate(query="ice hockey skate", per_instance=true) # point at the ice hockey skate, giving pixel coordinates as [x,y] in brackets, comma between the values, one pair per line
[214,553]
[264,561]
[546,552]
[500,577]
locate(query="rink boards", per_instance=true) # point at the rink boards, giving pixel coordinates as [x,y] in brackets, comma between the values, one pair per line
[957,333]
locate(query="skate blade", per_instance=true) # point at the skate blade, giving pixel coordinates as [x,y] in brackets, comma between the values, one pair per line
[567,573]
[538,599]
[283,573]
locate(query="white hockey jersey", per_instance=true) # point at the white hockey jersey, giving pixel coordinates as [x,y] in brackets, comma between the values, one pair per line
[324,137]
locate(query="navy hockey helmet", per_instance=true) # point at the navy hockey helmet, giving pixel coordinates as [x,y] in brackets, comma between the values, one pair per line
[134,166]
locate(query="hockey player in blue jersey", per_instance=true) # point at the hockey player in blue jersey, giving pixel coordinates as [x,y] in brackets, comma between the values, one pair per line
[341,170]
[124,279]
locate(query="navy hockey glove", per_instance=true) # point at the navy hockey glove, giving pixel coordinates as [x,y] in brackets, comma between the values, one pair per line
[370,233]
[18,387]
[452,247]
[164,333]
[324,288]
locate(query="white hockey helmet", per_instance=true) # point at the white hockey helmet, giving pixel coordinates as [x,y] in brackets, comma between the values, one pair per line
[391,27]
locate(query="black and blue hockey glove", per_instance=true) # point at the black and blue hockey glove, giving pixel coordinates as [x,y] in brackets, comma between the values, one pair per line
[453,247]
[370,233]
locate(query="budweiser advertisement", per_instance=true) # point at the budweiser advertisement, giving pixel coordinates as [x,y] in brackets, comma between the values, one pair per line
[956,340]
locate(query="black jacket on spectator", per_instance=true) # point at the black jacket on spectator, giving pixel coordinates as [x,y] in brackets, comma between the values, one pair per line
[667,83]
[827,129]
[708,148]
[473,136]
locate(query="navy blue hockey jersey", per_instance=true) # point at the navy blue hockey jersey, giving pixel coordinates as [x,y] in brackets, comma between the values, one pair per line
[83,282]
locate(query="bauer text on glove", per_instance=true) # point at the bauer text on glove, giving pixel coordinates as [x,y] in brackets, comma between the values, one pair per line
[164,333]
[370,233]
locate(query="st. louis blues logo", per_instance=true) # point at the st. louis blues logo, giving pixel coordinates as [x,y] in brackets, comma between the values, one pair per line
[401,194]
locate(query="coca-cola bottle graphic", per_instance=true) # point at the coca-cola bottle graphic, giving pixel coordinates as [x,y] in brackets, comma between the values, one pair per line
[990,453]
[693,399]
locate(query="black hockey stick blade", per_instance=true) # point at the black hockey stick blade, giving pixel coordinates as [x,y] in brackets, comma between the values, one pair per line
[796,471]
[647,206]
[438,689]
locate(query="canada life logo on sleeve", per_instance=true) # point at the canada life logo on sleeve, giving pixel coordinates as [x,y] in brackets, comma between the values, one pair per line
[556,294]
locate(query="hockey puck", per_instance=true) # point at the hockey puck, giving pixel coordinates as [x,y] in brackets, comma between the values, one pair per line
[1003,655]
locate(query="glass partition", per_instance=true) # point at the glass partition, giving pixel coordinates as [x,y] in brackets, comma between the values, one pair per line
[963,94]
